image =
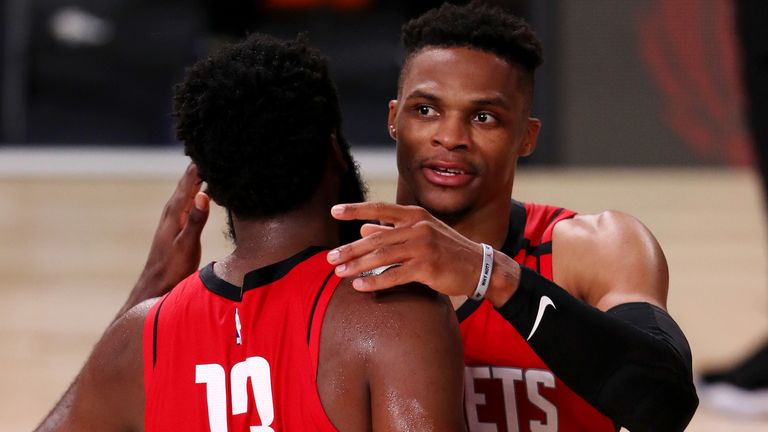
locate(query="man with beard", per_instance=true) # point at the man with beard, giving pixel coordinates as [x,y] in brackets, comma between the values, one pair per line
[267,338]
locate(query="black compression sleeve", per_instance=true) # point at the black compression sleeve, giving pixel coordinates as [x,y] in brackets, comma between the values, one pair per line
[633,363]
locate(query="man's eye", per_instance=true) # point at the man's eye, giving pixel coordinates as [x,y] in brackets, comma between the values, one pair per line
[425,110]
[484,117]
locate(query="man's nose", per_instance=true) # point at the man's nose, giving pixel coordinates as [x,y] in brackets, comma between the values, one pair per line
[452,133]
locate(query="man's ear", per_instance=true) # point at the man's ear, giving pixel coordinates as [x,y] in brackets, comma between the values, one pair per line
[337,154]
[392,119]
[530,138]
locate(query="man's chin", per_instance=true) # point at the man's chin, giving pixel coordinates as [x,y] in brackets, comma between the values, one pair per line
[451,215]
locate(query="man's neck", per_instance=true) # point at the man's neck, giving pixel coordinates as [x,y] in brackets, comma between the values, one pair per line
[266,241]
[488,223]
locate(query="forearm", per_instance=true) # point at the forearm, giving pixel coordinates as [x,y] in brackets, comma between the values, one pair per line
[634,365]
[56,417]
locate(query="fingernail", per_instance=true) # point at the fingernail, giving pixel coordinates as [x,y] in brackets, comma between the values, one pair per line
[338,210]
[341,268]
[333,256]
[358,284]
[201,203]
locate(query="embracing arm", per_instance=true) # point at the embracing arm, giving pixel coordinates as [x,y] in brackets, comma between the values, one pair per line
[618,348]
[108,394]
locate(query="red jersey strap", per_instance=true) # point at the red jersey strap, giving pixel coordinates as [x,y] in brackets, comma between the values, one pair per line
[150,341]
[316,315]
[540,223]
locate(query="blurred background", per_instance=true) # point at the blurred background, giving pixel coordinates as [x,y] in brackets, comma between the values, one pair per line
[629,82]
[642,102]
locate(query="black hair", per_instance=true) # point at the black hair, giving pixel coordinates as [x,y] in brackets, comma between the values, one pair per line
[479,26]
[257,117]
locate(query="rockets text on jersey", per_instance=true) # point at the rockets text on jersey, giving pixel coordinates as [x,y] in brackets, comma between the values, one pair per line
[518,390]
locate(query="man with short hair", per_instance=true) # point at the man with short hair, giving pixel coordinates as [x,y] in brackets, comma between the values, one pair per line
[563,316]
[268,338]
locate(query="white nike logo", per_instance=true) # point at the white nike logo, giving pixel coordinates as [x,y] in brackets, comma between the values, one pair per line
[543,303]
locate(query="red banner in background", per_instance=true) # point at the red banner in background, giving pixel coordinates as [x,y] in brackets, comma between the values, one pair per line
[691,51]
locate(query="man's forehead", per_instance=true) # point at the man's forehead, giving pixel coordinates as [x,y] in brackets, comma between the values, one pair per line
[456,55]
[436,69]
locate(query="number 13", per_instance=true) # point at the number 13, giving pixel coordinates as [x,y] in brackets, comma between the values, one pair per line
[214,378]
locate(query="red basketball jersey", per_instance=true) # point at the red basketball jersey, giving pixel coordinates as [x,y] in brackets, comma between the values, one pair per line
[507,386]
[220,358]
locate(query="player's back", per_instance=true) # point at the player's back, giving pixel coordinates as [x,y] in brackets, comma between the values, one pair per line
[222,358]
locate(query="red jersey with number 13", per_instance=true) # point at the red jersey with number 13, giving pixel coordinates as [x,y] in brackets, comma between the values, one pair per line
[220,358]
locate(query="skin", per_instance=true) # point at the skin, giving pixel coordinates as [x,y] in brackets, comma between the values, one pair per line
[467,109]
[366,338]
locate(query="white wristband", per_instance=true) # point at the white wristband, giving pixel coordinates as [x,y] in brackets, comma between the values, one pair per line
[485,273]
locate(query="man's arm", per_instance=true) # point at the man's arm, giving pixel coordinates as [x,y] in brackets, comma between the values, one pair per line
[392,361]
[625,354]
[174,254]
[108,394]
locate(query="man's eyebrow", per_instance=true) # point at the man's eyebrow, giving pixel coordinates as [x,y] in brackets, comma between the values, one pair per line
[497,101]
[421,94]
[491,101]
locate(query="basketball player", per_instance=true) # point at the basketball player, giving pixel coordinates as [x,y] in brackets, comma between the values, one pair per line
[268,338]
[563,316]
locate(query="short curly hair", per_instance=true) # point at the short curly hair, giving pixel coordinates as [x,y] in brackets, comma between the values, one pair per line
[475,25]
[257,118]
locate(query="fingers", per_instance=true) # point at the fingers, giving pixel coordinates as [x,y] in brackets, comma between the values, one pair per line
[392,277]
[385,247]
[386,213]
[369,228]
[383,256]
[198,216]
[181,201]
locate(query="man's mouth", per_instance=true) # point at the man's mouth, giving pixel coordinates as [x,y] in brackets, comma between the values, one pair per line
[448,171]
[447,174]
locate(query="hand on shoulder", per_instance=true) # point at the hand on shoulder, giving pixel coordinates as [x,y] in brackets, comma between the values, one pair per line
[426,250]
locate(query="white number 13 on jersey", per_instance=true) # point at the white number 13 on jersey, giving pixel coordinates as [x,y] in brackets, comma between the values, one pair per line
[214,378]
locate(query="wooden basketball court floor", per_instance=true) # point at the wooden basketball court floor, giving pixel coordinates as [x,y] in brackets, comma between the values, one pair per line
[74,238]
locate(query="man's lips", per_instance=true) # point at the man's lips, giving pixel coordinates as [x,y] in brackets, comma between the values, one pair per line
[447,174]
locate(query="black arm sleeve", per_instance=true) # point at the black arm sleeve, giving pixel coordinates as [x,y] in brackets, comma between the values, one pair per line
[632,363]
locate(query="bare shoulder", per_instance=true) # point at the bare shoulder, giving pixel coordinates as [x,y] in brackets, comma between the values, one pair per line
[403,341]
[609,258]
[604,228]
[409,311]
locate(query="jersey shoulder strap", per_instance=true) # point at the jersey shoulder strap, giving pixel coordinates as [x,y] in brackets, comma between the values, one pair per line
[149,341]
[529,239]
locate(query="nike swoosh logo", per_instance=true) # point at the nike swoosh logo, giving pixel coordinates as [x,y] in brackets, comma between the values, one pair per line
[543,303]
